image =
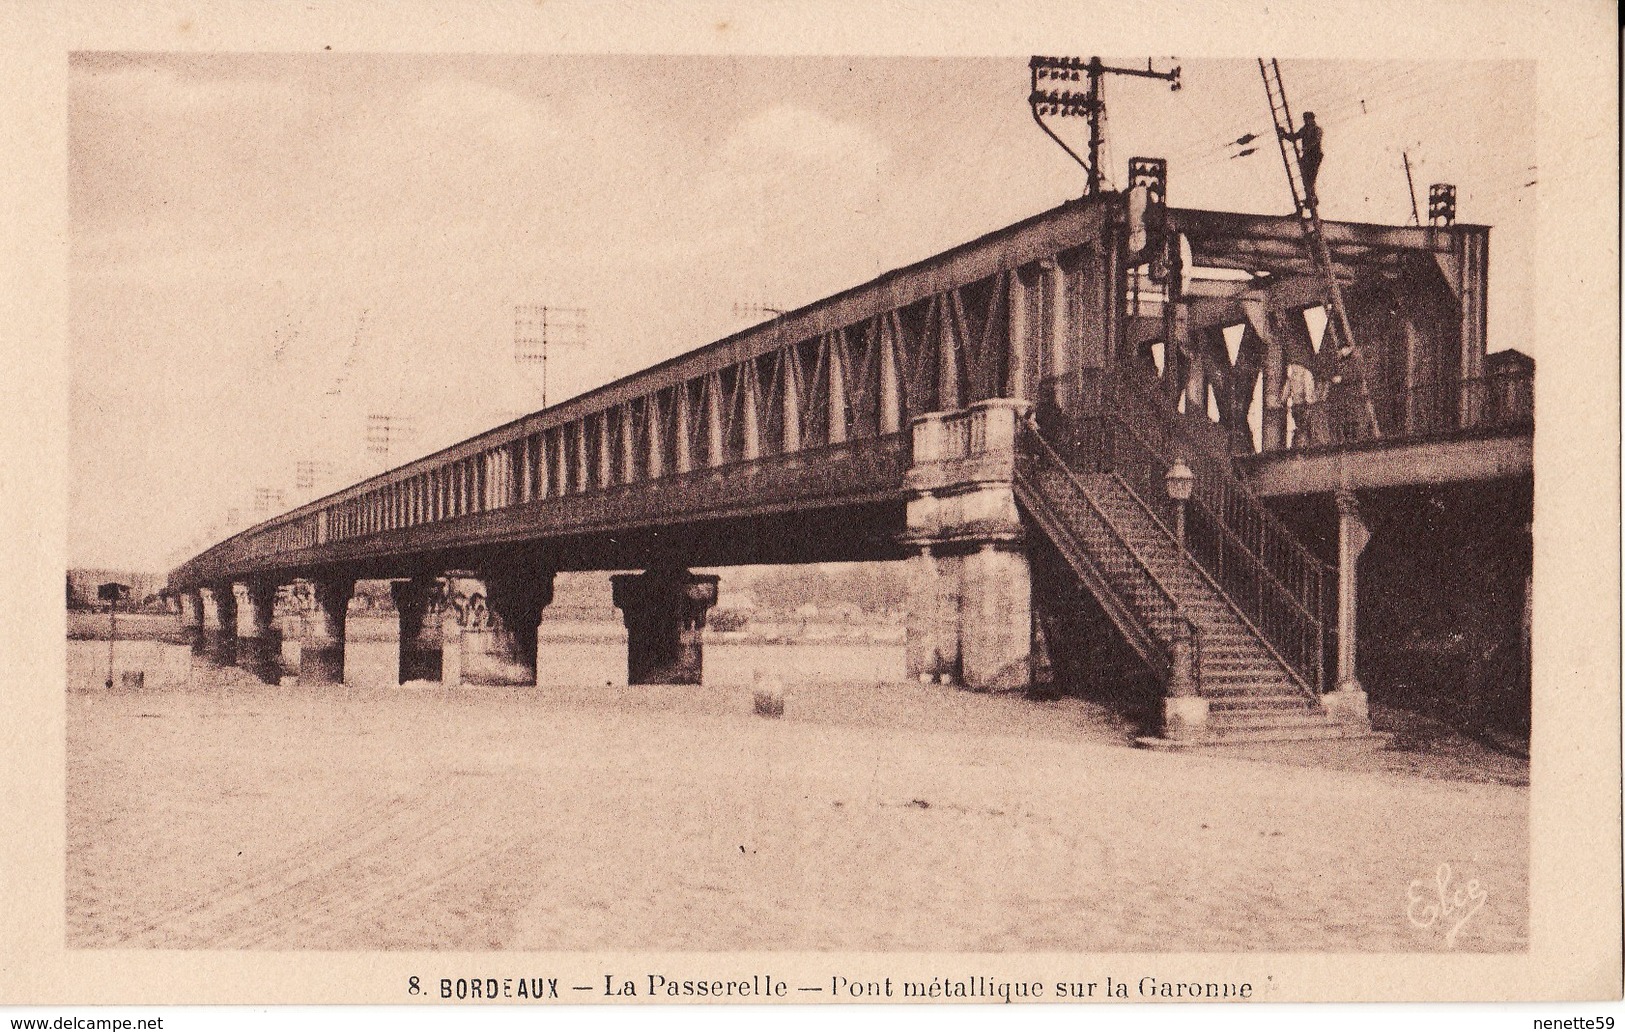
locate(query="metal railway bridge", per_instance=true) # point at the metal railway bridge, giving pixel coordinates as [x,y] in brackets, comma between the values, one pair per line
[1081,432]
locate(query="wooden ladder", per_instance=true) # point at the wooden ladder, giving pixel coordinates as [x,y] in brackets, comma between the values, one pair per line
[1309,221]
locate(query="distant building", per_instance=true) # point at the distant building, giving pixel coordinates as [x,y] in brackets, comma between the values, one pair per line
[82,585]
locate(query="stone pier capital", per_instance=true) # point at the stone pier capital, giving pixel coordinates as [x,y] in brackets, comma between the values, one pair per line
[489,625]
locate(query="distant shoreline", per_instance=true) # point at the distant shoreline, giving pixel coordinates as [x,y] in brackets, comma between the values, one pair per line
[163,627]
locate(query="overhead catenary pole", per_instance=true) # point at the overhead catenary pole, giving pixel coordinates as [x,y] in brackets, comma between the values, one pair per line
[1091,104]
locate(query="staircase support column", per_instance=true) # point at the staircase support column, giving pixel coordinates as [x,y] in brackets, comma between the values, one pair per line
[1184,712]
[1347,703]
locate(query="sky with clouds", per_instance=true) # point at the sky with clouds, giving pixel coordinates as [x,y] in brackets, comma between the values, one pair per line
[232,217]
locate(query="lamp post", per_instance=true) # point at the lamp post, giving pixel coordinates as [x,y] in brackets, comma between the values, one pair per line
[111,593]
[1180,482]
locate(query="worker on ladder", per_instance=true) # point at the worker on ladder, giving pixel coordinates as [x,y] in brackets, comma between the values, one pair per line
[1308,140]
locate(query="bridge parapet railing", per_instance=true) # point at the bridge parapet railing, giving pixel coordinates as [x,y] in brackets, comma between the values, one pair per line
[1497,401]
[984,433]
[867,467]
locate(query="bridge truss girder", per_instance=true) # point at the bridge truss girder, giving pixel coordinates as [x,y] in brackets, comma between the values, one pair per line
[811,409]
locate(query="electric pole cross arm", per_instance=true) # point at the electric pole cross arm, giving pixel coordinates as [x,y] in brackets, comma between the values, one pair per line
[1065,103]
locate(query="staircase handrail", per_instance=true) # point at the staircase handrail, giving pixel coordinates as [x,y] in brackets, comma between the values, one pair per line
[1074,551]
[1217,467]
[1308,680]
[1032,436]
[1302,637]
[1220,525]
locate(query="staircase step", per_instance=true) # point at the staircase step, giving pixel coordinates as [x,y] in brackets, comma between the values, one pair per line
[1313,733]
[1245,707]
[1232,666]
[1258,720]
[1261,683]
[1250,658]
[1255,686]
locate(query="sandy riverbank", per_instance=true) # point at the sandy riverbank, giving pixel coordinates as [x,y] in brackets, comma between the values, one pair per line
[881,815]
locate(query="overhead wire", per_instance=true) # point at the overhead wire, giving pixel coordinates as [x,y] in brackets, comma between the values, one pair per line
[1363,98]
[1385,92]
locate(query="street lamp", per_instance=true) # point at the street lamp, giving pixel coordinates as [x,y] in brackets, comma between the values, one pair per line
[1180,482]
[111,593]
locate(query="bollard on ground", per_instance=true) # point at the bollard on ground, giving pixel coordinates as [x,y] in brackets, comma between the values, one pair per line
[768,693]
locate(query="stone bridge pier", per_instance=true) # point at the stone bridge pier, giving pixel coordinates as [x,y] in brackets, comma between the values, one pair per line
[259,640]
[489,625]
[191,619]
[419,603]
[218,638]
[664,612]
[969,583]
[313,637]
[472,626]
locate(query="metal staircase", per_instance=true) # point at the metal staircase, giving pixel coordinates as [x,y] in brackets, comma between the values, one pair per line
[1245,595]
[1308,212]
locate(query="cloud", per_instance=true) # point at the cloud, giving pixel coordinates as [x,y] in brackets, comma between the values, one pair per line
[786,133]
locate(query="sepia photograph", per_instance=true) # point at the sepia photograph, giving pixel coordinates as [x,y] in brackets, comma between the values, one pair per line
[1071,503]
[1013,452]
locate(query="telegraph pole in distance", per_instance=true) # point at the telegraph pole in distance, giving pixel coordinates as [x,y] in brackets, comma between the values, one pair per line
[111,593]
[535,326]
[755,311]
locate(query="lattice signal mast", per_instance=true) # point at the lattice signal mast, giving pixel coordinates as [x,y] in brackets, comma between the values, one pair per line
[536,327]
[1068,103]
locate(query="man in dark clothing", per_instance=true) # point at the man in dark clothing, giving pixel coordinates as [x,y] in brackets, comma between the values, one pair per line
[1308,140]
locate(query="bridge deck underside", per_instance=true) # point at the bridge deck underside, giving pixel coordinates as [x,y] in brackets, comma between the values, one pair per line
[1383,464]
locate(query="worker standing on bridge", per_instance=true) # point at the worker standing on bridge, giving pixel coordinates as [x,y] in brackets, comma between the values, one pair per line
[1303,406]
[1308,140]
